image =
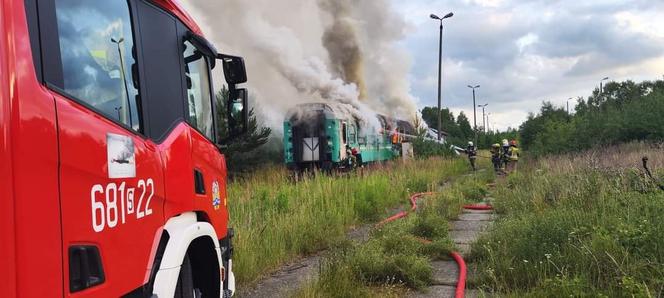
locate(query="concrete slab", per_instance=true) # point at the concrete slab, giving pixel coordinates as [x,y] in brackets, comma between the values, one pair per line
[464,249]
[283,282]
[445,273]
[435,292]
[476,217]
[466,225]
[465,236]
[444,292]
[477,211]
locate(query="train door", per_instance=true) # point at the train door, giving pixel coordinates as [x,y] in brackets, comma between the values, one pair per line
[111,179]
[344,140]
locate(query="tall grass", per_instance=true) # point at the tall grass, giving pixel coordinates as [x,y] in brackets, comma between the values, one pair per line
[396,258]
[588,224]
[277,220]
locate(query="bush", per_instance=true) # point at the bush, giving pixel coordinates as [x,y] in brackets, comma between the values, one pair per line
[424,149]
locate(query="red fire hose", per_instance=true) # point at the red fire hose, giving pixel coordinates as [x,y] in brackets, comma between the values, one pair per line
[481,207]
[461,281]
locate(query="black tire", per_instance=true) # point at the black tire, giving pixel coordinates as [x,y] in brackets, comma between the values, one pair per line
[185,286]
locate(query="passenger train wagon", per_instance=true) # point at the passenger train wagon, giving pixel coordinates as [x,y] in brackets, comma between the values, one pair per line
[324,136]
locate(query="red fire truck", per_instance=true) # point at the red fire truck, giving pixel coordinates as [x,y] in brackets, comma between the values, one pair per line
[112,179]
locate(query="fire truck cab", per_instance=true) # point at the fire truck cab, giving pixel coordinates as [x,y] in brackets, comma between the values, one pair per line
[112,182]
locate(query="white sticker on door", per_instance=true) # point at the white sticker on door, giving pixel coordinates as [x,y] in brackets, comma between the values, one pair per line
[121,156]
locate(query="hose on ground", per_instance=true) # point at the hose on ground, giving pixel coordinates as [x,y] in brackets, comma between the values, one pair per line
[461,280]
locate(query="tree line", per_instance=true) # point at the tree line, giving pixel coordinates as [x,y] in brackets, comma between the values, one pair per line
[621,112]
[459,130]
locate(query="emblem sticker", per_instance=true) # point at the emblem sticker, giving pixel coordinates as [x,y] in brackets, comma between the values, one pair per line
[216,196]
[121,156]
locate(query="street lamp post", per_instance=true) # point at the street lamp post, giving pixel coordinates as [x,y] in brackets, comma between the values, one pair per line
[440,68]
[474,110]
[487,121]
[601,86]
[568,105]
[483,116]
[124,79]
[118,109]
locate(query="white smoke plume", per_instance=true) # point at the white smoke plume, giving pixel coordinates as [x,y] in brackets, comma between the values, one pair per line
[300,51]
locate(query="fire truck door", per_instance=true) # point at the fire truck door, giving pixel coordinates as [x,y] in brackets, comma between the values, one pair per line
[209,174]
[111,178]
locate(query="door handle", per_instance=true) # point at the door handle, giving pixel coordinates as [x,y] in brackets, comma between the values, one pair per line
[199,183]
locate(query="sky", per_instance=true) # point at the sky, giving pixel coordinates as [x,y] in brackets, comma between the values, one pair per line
[525,52]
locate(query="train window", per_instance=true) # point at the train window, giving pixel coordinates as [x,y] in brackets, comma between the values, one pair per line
[351,134]
[97,55]
[199,98]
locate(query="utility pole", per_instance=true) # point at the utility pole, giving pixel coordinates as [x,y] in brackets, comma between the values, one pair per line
[440,69]
[474,111]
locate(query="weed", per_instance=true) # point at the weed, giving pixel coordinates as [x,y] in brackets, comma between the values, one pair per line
[277,220]
[579,225]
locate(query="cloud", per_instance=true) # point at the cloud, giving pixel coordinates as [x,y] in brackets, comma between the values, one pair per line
[524,52]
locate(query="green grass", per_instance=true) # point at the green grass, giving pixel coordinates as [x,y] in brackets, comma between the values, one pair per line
[277,220]
[397,257]
[584,225]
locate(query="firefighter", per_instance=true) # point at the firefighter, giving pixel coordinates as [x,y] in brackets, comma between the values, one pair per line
[514,155]
[505,154]
[358,157]
[471,151]
[352,159]
[495,157]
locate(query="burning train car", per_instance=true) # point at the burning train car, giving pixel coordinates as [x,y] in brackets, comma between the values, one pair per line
[324,136]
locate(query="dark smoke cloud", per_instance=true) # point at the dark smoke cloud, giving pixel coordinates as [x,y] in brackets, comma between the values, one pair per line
[343,45]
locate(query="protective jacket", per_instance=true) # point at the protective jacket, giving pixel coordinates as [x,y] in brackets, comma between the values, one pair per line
[505,152]
[514,153]
[471,151]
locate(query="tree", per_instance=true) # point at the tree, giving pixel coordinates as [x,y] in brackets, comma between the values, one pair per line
[243,153]
[623,112]
[420,130]
[466,131]
[449,125]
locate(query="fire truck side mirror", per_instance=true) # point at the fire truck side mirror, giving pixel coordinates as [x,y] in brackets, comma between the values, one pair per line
[238,112]
[234,69]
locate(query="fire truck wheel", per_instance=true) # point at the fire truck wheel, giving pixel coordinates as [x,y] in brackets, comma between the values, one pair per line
[185,285]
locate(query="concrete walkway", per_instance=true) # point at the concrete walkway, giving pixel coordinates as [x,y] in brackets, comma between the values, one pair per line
[463,232]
